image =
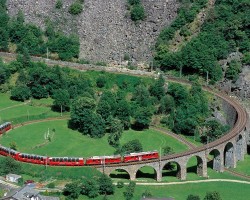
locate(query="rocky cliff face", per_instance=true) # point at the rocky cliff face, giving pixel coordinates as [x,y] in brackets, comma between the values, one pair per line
[105,29]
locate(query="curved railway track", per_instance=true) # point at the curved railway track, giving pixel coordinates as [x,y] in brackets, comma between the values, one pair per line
[240,124]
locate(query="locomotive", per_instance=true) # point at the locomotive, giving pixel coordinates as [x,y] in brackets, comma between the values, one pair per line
[72,161]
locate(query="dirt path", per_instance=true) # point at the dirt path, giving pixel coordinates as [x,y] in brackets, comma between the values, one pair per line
[198,181]
[15,106]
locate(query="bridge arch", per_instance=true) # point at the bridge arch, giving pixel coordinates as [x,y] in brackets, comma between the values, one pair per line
[201,166]
[217,162]
[120,174]
[171,168]
[147,171]
[229,155]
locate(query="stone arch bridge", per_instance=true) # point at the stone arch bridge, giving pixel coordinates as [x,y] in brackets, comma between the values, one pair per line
[226,151]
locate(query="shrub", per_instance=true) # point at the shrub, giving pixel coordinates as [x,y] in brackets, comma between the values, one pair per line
[134,2]
[137,12]
[51,185]
[59,4]
[120,184]
[75,8]
[101,81]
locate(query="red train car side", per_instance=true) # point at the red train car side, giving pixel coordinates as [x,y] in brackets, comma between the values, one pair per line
[30,158]
[100,160]
[132,157]
[65,161]
[9,152]
[5,127]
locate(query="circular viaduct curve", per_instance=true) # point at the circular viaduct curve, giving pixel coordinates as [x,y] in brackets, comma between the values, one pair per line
[228,149]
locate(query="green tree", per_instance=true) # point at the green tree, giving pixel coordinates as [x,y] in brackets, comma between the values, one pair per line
[141,96]
[167,150]
[101,81]
[233,70]
[213,130]
[90,188]
[167,104]
[20,93]
[212,196]
[157,89]
[72,190]
[9,165]
[143,116]
[129,192]
[131,147]
[105,185]
[123,113]
[61,100]
[104,109]
[193,197]
[115,131]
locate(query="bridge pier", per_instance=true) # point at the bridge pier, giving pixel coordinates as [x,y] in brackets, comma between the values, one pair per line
[239,148]
[202,166]
[218,162]
[230,158]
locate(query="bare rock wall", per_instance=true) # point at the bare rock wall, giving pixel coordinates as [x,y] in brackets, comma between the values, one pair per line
[105,29]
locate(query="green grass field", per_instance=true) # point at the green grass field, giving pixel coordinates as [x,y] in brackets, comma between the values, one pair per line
[18,112]
[6,102]
[228,191]
[244,166]
[66,142]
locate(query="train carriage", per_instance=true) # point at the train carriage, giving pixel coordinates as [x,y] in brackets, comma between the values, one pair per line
[9,152]
[5,127]
[133,157]
[31,158]
[65,161]
[100,160]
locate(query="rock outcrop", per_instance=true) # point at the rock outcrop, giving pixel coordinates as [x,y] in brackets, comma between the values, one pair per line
[105,29]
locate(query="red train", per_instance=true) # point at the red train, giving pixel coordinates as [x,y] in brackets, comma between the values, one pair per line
[73,161]
[5,127]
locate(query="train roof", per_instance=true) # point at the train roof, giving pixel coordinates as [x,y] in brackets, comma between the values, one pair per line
[141,153]
[8,149]
[65,157]
[26,154]
[4,124]
[102,157]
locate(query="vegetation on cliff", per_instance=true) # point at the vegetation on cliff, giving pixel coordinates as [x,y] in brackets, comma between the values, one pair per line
[225,30]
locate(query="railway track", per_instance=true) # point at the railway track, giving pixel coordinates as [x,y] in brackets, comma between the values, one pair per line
[176,136]
[39,120]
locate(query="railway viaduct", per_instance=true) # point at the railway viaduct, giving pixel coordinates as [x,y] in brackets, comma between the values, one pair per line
[226,151]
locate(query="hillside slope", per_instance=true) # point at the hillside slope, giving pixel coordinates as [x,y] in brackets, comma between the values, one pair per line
[105,29]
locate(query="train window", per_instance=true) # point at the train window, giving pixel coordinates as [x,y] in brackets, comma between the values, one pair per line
[61,159]
[65,159]
[28,156]
[73,159]
[77,160]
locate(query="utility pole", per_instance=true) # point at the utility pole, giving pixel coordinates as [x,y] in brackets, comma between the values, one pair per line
[180,71]
[47,53]
[207,77]
[61,110]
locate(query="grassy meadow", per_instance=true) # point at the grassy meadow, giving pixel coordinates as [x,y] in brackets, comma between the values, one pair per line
[67,142]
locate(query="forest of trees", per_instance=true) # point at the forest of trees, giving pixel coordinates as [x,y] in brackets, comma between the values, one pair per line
[225,30]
